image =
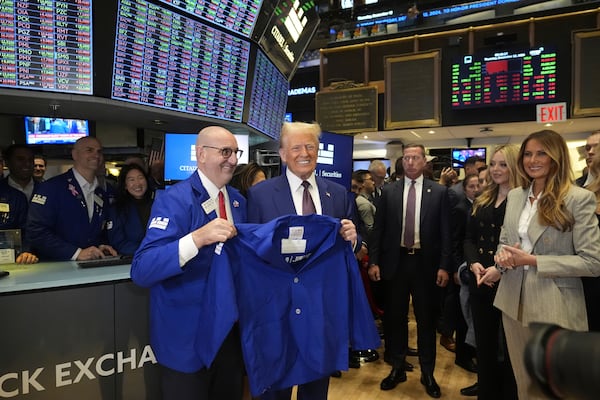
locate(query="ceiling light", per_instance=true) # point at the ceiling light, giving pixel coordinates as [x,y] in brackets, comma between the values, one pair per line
[431,132]
[548,125]
[366,137]
[416,134]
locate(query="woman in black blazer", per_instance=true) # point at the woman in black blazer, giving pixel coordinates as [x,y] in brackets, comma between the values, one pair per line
[494,371]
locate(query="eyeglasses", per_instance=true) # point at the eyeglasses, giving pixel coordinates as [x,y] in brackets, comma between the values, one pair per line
[226,152]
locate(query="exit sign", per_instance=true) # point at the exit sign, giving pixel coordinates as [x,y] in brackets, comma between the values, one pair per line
[550,113]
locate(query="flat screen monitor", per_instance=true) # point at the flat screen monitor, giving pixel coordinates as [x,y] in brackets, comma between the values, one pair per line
[180,155]
[288,33]
[459,156]
[167,60]
[268,97]
[47,130]
[504,77]
[46,45]
[335,158]
[234,15]
[364,164]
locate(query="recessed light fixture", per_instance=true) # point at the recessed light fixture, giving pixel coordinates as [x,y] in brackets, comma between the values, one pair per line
[366,137]
[548,125]
[431,132]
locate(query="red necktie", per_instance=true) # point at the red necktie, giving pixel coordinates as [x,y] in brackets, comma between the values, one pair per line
[222,209]
[409,222]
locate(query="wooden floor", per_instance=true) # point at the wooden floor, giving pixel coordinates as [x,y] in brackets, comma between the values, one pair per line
[363,383]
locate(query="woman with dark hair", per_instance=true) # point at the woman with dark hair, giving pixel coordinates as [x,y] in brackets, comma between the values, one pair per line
[548,241]
[247,175]
[131,210]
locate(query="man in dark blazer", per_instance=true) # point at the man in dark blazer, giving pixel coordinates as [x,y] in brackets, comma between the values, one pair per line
[591,286]
[283,195]
[411,266]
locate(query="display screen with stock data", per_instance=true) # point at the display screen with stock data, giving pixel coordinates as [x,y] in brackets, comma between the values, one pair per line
[171,61]
[502,77]
[46,45]
[268,97]
[235,15]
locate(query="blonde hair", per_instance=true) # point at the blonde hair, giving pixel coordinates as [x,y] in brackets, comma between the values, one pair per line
[551,203]
[489,193]
[291,128]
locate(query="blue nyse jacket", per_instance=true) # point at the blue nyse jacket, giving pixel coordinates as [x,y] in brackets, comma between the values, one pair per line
[13,207]
[300,301]
[58,221]
[127,231]
[176,293]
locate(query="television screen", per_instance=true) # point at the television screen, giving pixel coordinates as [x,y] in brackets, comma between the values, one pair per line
[46,130]
[288,32]
[166,60]
[364,164]
[335,158]
[180,155]
[46,45]
[268,97]
[459,156]
[236,16]
[496,78]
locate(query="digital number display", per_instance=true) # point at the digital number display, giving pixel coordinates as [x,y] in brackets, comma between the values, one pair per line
[235,15]
[46,45]
[504,78]
[268,98]
[170,61]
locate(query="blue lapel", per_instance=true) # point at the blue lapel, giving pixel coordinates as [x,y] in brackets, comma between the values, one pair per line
[325,196]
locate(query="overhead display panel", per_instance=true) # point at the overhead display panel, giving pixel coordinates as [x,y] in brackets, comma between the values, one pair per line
[46,45]
[167,60]
[289,31]
[268,97]
[235,15]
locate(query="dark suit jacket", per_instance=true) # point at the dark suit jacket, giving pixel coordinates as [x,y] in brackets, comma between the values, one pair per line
[434,226]
[272,198]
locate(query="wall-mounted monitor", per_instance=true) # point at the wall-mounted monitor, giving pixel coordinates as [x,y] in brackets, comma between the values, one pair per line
[167,60]
[268,97]
[459,156]
[46,45]
[234,15]
[288,33]
[504,77]
[180,155]
[49,130]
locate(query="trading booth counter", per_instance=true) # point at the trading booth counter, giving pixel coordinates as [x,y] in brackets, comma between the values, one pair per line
[74,333]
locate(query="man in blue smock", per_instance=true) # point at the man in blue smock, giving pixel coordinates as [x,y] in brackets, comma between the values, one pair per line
[173,260]
[68,213]
[300,192]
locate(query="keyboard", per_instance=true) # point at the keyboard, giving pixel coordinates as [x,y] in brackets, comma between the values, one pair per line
[105,262]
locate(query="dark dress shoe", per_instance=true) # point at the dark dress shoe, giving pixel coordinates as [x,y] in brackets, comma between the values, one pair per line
[393,379]
[472,390]
[412,352]
[408,366]
[467,364]
[336,374]
[365,355]
[448,343]
[431,386]
[353,362]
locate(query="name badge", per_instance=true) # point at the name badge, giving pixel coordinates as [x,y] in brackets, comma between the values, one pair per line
[4,207]
[209,206]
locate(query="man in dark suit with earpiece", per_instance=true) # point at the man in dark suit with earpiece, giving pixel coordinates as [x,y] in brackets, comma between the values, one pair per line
[410,250]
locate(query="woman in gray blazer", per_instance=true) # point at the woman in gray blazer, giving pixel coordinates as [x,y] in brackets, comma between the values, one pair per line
[549,239]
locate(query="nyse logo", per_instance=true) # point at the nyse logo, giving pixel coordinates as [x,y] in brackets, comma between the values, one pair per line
[325,154]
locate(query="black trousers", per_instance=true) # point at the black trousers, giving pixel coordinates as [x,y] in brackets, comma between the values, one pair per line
[494,371]
[414,279]
[223,380]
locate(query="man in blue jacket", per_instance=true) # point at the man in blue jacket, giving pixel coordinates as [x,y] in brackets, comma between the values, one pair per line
[173,260]
[68,214]
[300,192]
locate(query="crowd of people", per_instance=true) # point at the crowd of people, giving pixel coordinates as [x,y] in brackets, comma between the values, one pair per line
[516,241]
